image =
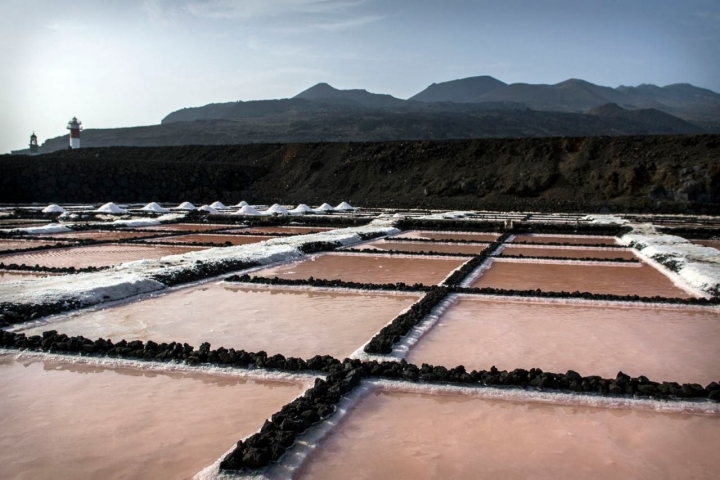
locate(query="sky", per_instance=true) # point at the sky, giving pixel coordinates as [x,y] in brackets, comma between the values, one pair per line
[120,63]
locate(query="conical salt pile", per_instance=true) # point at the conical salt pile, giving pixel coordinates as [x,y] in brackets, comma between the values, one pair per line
[186,206]
[218,206]
[345,207]
[154,207]
[110,207]
[208,209]
[277,210]
[301,209]
[52,208]
[247,210]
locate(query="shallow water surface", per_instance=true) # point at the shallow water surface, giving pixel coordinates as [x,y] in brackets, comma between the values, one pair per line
[213,238]
[392,435]
[11,276]
[95,255]
[69,421]
[283,229]
[101,235]
[642,280]
[664,344]
[16,244]
[577,240]
[450,236]
[568,252]
[377,269]
[424,247]
[299,323]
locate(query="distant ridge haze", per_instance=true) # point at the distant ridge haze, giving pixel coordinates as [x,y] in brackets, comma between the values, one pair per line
[474,107]
[574,95]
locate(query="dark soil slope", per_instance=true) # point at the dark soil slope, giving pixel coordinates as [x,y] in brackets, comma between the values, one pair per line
[661,173]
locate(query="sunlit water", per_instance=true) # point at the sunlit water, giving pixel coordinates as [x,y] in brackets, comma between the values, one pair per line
[664,344]
[642,280]
[95,255]
[567,252]
[70,421]
[450,236]
[394,435]
[297,323]
[367,269]
[424,247]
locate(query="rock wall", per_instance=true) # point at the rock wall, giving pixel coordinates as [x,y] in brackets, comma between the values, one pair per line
[649,173]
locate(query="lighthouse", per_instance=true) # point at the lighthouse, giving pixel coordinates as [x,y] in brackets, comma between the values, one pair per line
[74,126]
[33,144]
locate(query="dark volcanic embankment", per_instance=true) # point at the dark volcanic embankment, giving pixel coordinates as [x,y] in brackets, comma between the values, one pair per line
[657,173]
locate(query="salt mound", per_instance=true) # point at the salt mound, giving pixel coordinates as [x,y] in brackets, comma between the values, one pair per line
[326,207]
[344,206]
[301,209]
[52,208]
[277,209]
[186,206]
[110,207]
[247,210]
[154,207]
[218,205]
[209,209]
[242,204]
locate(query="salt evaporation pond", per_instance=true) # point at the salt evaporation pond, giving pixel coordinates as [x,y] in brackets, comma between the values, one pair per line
[568,252]
[366,268]
[213,238]
[430,436]
[101,235]
[183,227]
[94,255]
[69,421]
[631,279]
[424,247]
[708,243]
[17,244]
[572,239]
[11,276]
[299,323]
[664,344]
[275,230]
[450,236]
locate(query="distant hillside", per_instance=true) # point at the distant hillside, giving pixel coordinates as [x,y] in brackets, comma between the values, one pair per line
[459,91]
[362,98]
[475,107]
[436,122]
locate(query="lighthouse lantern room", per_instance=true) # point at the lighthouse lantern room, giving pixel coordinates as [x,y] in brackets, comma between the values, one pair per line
[34,148]
[74,126]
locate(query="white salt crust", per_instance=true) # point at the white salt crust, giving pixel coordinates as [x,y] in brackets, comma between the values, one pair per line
[133,278]
[698,266]
[44,230]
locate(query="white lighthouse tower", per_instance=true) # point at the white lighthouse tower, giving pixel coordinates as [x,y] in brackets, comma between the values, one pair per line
[74,126]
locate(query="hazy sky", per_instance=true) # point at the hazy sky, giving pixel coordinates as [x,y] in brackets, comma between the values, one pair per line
[116,63]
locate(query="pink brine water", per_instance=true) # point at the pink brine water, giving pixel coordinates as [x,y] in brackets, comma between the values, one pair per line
[95,255]
[642,280]
[69,421]
[367,269]
[291,322]
[664,344]
[393,435]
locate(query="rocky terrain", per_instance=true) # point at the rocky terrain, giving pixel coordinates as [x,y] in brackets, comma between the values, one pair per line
[646,173]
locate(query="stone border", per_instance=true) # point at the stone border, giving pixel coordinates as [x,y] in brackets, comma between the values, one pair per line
[429,253]
[444,241]
[568,259]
